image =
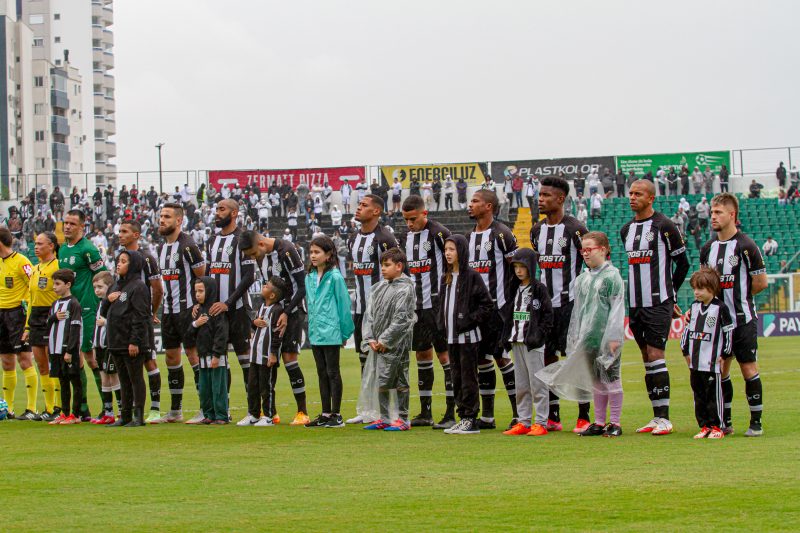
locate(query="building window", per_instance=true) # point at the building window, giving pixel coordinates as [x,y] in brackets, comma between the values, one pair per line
[58,62]
[41,162]
[36,19]
[58,39]
[98,135]
[98,111]
[57,16]
[39,135]
[38,81]
[38,42]
[38,109]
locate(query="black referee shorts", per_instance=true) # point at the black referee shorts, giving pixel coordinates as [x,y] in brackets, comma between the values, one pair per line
[650,325]
[556,342]
[293,336]
[176,329]
[39,333]
[745,342]
[239,328]
[12,326]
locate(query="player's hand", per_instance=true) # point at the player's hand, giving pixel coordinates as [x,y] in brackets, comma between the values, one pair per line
[156,320]
[282,322]
[25,336]
[676,312]
[101,321]
[195,310]
[61,315]
[200,321]
[260,322]
[218,308]
[374,345]
[271,360]
[113,296]
[687,316]
[380,347]
[613,346]
[67,358]
[214,362]
[133,350]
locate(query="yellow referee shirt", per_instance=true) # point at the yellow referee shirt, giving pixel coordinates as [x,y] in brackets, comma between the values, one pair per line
[15,273]
[41,286]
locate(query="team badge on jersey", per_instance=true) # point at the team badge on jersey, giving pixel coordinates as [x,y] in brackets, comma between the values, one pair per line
[176,256]
[487,246]
[370,249]
[711,321]
[72,260]
[426,246]
[733,260]
[278,268]
[123,297]
[649,236]
[536,304]
[562,242]
[228,250]
[42,283]
[9,282]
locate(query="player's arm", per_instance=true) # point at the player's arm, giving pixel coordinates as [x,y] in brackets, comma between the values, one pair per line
[93,259]
[508,244]
[755,267]
[195,259]
[247,278]
[295,267]
[277,333]
[156,288]
[73,329]
[677,250]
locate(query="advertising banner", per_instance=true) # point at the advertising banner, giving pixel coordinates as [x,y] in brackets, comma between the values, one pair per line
[502,170]
[313,177]
[779,325]
[473,173]
[641,164]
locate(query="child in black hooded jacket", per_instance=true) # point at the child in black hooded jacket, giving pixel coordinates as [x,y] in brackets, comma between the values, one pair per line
[211,334]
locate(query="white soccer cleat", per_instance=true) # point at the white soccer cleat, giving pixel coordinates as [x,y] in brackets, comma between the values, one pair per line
[358,419]
[249,420]
[264,422]
[196,419]
[649,427]
[664,427]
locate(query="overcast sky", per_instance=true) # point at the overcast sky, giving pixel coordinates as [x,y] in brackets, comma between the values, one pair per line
[263,84]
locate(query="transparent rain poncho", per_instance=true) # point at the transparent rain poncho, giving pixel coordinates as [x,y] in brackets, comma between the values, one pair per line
[595,338]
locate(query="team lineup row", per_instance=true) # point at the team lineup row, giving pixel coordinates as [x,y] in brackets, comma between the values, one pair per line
[198,315]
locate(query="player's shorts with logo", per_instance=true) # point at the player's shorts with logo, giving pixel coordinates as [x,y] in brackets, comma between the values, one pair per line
[293,336]
[12,326]
[239,328]
[650,325]
[39,333]
[427,332]
[60,368]
[88,316]
[105,360]
[745,342]
[176,329]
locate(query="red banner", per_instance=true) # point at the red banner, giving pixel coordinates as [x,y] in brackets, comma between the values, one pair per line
[313,177]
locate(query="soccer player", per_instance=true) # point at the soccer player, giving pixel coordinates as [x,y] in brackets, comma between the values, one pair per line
[37,333]
[130,231]
[654,246]
[181,263]
[557,239]
[365,248]
[743,274]
[425,255]
[15,273]
[278,257]
[233,273]
[491,247]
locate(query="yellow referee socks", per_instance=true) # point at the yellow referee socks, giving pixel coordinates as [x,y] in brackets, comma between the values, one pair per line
[49,390]
[31,387]
[56,393]
[9,387]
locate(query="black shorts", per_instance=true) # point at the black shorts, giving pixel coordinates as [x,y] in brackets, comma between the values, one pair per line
[104,359]
[650,325]
[357,321]
[745,343]
[556,342]
[491,333]
[176,329]
[239,328]
[39,333]
[293,336]
[12,326]
[60,368]
[427,332]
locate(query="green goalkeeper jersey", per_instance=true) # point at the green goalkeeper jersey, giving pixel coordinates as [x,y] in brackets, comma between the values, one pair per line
[84,259]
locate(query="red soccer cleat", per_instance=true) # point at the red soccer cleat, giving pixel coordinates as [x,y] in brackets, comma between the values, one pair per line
[552,425]
[580,425]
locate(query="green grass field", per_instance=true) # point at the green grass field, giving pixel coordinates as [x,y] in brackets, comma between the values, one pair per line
[179,478]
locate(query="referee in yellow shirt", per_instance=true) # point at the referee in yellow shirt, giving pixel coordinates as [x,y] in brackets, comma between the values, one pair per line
[36,333]
[15,273]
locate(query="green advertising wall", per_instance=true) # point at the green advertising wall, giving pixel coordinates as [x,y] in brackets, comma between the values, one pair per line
[640,164]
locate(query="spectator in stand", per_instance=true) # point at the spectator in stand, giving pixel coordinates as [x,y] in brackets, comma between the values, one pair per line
[516,187]
[345,191]
[661,180]
[336,216]
[397,191]
[123,196]
[263,208]
[74,198]
[287,235]
[461,192]
[436,187]
[684,177]
[703,212]
[327,196]
[317,207]
[619,180]
[508,189]
[607,181]
[579,182]
[593,181]
[448,193]
[14,222]
[275,203]
[532,194]
[723,179]
[152,198]
[57,203]
[361,190]
[755,189]
[679,222]
[697,181]
[41,200]
[780,173]
[672,181]
[597,204]
[771,245]
[708,180]
[226,192]
[582,214]
[693,227]
[782,197]
[413,188]
[427,195]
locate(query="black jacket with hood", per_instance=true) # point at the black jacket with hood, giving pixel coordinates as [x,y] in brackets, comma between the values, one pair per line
[128,317]
[473,304]
[211,337]
[540,308]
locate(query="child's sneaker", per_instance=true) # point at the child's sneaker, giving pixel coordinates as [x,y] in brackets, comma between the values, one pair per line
[154,417]
[716,433]
[703,433]
[649,427]
[552,425]
[537,430]
[592,430]
[71,419]
[249,420]
[518,429]
[664,427]
[264,422]
[300,419]
[106,420]
[48,417]
[318,422]
[378,424]
[581,425]
[57,420]
[334,421]
[755,430]
[398,425]
[468,426]
[612,430]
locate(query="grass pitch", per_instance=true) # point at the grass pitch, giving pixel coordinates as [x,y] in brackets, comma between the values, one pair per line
[179,478]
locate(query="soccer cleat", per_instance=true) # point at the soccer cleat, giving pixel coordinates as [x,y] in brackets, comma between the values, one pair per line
[71,419]
[728,430]
[649,427]
[398,425]
[755,430]
[334,421]
[58,420]
[468,426]
[703,433]
[581,425]
[220,422]
[664,427]
[552,425]
[176,416]
[514,422]
[452,430]
[96,421]
[105,420]
[29,416]
[378,424]
[612,430]
[47,417]
[485,424]
[445,423]
[263,422]
[300,419]
[276,419]
[204,422]
[318,422]
[249,420]
[592,430]
[716,433]
[86,417]
[421,420]
[154,418]
[358,419]
[199,418]
[537,430]
[518,429]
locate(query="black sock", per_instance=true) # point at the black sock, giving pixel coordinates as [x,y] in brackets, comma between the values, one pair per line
[77,393]
[448,391]
[753,390]
[555,408]
[84,388]
[507,372]
[298,384]
[154,383]
[229,384]
[362,358]
[245,364]
[658,389]
[108,402]
[583,410]
[176,381]
[273,381]
[487,381]
[66,396]
[118,397]
[196,373]
[426,376]
[727,400]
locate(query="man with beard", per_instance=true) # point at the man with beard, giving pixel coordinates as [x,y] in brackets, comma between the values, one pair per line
[234,273]
[557,241]
[365,249]
[181,263]
[491,247]
[277,257]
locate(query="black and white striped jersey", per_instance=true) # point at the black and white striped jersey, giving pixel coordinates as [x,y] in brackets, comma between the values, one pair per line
[737,260]
[266,340]
[227,265]
[449,303]
[521,315]
[284,262]
[560,261]
[651,244]
[66,335]
[100,340]
[426,264]
[488,251]
[365,251]
[176,262]
[707,336]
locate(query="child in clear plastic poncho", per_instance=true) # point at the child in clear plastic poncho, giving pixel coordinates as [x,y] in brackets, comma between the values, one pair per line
[591,370]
